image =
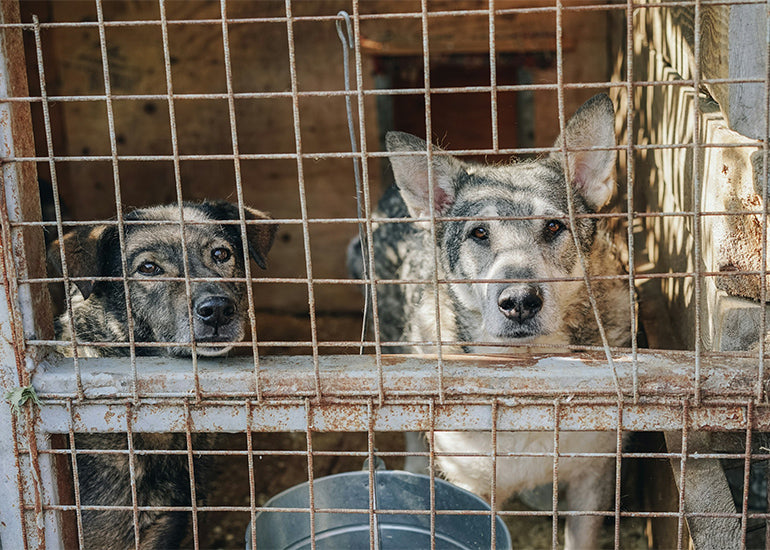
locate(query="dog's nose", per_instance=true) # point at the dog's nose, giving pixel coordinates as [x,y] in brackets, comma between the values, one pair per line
[520,304]
[216,311]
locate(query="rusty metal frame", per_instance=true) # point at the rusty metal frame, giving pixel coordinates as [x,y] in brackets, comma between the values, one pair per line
[523,388]
[602,388]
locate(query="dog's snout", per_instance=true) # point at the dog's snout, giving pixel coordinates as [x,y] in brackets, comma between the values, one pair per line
[216,311]
[520,304]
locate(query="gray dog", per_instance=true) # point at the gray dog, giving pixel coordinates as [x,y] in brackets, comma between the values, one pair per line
[522,256]
[160,314]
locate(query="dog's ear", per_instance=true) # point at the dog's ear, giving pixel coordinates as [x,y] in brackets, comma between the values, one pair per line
[592,173]
[411,172]
[260,237]
[84,251]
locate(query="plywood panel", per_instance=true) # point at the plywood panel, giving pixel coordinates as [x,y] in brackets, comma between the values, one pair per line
[260,63]
[463,32]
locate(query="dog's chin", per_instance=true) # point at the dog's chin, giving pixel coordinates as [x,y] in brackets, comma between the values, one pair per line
[207,351]
[207,344]
[201,351]
[517,333]
[211,343]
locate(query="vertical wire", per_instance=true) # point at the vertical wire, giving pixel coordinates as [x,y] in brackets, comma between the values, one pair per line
[178,182]
[239,194]
[493,77]
[37,486]
[132,471]
[682,473]
[17,434]
[75,476]
[374,527]
[630,159]
[310,472]
[570,199]
[191,473]
[630,163]
[302,196]
[57,207]
[431,196]
[555,478]
[34,459]
[367,201]
[432,468]
[618,464]
[118,198]
[696,189]
[746,472]
[252,490]
[493,491]
[348,44]
[763,225]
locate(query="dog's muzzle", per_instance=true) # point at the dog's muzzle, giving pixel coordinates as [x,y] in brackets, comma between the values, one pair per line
[520,303]
[216,311]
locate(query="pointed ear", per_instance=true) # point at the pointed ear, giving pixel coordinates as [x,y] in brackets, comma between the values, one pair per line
[83,249]
[411,174]
[592,173]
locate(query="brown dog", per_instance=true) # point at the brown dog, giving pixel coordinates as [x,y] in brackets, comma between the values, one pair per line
[160,313]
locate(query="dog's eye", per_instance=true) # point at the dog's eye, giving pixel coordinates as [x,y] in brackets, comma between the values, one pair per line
[553,228]
[480,233]
[149,268]
[221,255]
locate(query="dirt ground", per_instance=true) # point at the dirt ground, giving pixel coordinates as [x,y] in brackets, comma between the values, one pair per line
[274,473]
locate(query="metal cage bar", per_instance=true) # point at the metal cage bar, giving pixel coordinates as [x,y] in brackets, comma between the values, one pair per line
[589,388]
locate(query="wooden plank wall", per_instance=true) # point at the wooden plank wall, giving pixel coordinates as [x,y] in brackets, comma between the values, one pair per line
[259,56]
[664,116]
[730,116]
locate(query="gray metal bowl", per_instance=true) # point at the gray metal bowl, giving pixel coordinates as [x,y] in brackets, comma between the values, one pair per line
[395,490]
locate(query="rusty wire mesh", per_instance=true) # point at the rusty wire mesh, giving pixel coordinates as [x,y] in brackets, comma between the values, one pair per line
[267,394]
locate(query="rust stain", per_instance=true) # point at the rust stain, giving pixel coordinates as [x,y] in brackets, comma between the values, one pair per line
[5,129]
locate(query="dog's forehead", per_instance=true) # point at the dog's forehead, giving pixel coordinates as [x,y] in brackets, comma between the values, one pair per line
[527,189]
[170,212]
[162,236]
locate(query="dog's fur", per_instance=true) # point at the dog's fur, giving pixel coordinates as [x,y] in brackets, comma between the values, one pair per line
[526,310]
[160,314]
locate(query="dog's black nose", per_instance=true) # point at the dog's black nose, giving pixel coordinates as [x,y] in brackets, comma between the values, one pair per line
[216,311]
[520,304]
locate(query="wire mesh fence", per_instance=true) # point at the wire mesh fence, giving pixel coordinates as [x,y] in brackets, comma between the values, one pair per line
[214,293]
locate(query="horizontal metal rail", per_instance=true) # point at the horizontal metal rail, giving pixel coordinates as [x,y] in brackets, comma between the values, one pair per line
[524,387]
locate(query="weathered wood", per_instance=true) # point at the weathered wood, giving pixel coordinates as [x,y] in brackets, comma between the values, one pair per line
[729,242]
[469,33]
[260,63]
[20,180]
[27,308]
[659,493]
[665,115]
[733,242]
[733,45]
[705,490]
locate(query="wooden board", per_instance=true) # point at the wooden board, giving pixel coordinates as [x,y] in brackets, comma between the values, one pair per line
[19,182]
[260,63]
[457,32]
[733,45]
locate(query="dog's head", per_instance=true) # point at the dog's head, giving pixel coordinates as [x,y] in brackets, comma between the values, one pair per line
[513,229]
[179,288]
